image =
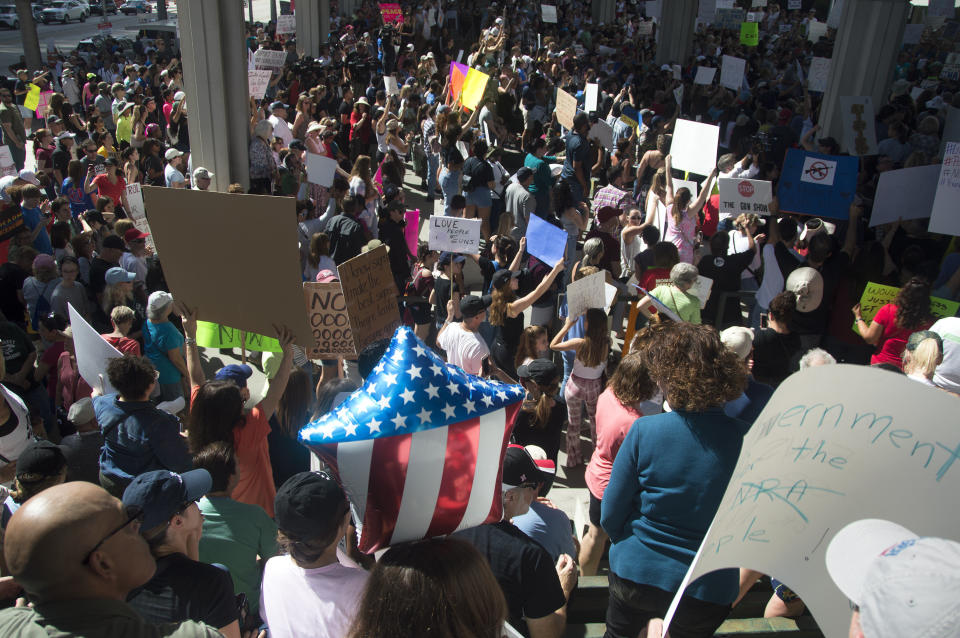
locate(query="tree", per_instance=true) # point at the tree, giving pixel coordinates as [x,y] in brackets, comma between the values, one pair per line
[28,34]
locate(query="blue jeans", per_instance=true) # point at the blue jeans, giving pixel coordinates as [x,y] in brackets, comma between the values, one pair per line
[433,163]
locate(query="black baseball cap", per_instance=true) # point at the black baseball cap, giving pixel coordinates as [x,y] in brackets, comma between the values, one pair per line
[39,460]
[502,277]
[520,469]
[472,305]
[307,502]
[111,241]
[540,371]
[162,493]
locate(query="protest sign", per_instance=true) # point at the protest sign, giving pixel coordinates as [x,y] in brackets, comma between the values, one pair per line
[951,128]
[566,109]
[205,269]
[590,97]
[7,165]
[645,28]
[545,241]
[678,95]
[11,220]
[701,290]
[816,184]
[370,295]
[605,50]
[286,24]
[609,294]
[585,293]
[912,33]
[138,214]
[705,75]
[603,133]
[730,18]
[758,3]
[944,218]
[724,4]
[43,103]
[391,12]
[458,75]
[474,86]
[905,194]
[267,59]
[816,30]
[390,85]
[455,234]
[677,71]
[689,184]
[707,10]
[694,146]
[321,170]
[329,320]
[411,229]
[818,457]
[257,82]
[93,353]
[859,130]
[819,74]
[745,196]
[731,72]
[659,305]
[215,335]
[876,296]
[32,99]
[548,13]
[793,5]
[785,27]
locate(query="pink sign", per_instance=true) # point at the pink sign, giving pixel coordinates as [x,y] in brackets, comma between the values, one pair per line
[412,230]
[43,103]
[391,12]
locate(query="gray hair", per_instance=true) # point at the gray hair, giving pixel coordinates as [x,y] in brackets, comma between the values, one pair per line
[263,129]
[816,357]
[684,275]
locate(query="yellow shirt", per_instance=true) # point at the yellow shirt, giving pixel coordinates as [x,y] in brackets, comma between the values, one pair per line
[124,128]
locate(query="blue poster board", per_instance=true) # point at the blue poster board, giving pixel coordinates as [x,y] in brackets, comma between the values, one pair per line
[545,241]
[817,184]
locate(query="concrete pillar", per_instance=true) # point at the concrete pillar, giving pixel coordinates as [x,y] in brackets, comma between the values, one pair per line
[864,56]
[604,11]
[678,19]
[214,53]
[313,25]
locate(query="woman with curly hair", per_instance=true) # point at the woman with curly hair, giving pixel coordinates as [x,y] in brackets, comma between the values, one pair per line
[667,482]
[895,322]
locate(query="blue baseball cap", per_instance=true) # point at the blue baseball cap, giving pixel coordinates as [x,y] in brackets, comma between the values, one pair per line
[161,493]
[448,257]
[236,372]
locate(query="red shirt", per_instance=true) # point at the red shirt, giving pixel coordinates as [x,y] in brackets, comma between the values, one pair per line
[114,191]
[125,345]
[711,216]
[894,339]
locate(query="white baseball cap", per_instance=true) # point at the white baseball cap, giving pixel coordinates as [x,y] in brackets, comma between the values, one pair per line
[172,153]
[904,585]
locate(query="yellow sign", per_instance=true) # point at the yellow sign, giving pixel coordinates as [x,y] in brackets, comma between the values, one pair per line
[876,296]
[32,100]
[750,33]
[473,88]
[215,335]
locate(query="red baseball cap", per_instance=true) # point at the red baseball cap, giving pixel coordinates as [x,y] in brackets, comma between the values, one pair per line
[134,234]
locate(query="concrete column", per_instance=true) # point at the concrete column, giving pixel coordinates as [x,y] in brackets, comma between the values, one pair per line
[312,29]
[678,19]
[604,11]
[864,56]
[215,80]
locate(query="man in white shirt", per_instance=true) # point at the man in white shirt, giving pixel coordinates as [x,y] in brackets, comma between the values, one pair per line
[173,172]
[461,341]
[278,117]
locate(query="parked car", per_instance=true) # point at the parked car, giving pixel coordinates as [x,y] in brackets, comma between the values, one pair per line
[8,16]
[96,6]
[66,10]
[132,7]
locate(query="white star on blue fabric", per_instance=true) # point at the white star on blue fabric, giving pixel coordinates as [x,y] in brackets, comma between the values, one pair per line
[374,426]
[351,429]
[470,406]
[453,387]
[424,416]
[487,400]
[384,402]
[399,422]
[407,396]
[389,378]
[450,411]
[432,391]
[414,372]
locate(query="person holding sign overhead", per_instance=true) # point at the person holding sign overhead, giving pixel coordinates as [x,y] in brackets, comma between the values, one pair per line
[682,215]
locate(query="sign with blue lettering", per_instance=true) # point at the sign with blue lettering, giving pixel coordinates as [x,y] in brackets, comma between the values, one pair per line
[818,185]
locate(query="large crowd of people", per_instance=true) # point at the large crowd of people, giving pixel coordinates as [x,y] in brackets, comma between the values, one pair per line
[158,501]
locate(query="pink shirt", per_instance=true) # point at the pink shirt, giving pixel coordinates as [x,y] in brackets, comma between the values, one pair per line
[613,422]
[682,235]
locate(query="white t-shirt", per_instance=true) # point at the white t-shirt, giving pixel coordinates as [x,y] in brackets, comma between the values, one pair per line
[281,129]
[738,244]
[309,603]
[171,176]
[12,445]
[464,348]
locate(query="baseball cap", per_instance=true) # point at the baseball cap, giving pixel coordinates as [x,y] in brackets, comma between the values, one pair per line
[306,502]
[158,300]
[807,284]
[738,339]
[540,371]
[607,213]
[903,584]
[81,411]
[172,153]
[66,135]
[39,460]
[502,277]
[279,105]
[519,469]
[110,241]
[524,173]
[326,276]
[179,96]
[162,493]
[548,468]
[133,234]
[238,373]
[202,173]
[920,336]
[472,305]
[29,176]
[448,257]
[118,275]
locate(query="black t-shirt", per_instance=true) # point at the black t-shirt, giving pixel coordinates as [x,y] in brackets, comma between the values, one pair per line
[443,289]
[524,569]
[775,356]
[547,437]
[346,238]
[98,273]
[184,589]
[16,346]
[287,456]
[725,271]
[479,171]
[12,277]
[60,159]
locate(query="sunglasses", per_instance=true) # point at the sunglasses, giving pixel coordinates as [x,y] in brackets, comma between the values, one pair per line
[133,513]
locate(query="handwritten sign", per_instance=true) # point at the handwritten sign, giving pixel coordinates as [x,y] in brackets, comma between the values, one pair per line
[566,109]
[591,95]
[286,24]
[548,13]
[267,59]
[944,218]
[694,146]
[455,234]
[329,320]
[138,213]
[730,18]
[749,34]
[818,457]
[793,5]
[745,196]
[391,12]
[43,103]
[907,193]
[215,335]
[701,290]
[731,72]
[859,129]
[11,220]
[371,296]
[7,165]
[645,28]
[705,75]
[876,296]
[257,82]
[819,74]
[321,170]
[585,293]
[390,85]
[545,241]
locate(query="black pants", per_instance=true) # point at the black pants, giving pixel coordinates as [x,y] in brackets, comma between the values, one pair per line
[631,606]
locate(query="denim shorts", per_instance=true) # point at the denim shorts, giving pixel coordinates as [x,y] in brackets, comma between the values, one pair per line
[479,197]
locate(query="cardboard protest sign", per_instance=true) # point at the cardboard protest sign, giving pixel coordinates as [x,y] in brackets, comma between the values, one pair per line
[859,129]
[199,234]
[816,30]
[745,196]
[730,18]
[876,296]
[545,241]
[473,88]
[819,74]
[93,353]
[257,82]
[731,72]
[701,290]
[944,218]
[286,24]
[7,165]
[11,220]
[548,13]
[32,98]
[215,335]
[590,97]
[566,109]
[370,295]
[817,184]
[705,75]
[750,33]
[390,85]
[585,293]
[411,229]
[267,59]
[327,314]
[603,133]
[645,28]
[138,215]
[321,170]
[907,193]
[818,458]
[694,146]
[455,234]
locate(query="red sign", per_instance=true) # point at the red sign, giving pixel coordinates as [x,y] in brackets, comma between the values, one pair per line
[745,188]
